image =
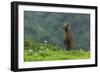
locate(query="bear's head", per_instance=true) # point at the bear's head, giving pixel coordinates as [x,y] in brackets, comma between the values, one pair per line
[66,26]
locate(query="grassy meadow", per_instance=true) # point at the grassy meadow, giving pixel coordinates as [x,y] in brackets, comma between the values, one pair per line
[46,52]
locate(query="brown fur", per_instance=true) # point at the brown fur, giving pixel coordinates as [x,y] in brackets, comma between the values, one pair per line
[68,38]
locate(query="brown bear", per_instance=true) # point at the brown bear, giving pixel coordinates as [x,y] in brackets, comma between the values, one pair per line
[69,41]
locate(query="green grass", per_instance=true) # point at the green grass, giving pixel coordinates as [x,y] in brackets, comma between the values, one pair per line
[47,52]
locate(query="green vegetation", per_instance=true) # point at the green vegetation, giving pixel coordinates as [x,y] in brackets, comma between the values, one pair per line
[56,55]
[44,52]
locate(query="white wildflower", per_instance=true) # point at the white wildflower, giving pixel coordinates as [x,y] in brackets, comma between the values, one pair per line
[47,49]
[45,41]
[30,50]
[41,47]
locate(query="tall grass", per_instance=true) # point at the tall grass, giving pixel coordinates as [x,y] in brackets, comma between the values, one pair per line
[47,52]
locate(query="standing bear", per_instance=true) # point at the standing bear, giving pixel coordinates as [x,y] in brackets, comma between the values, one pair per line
[69,41]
